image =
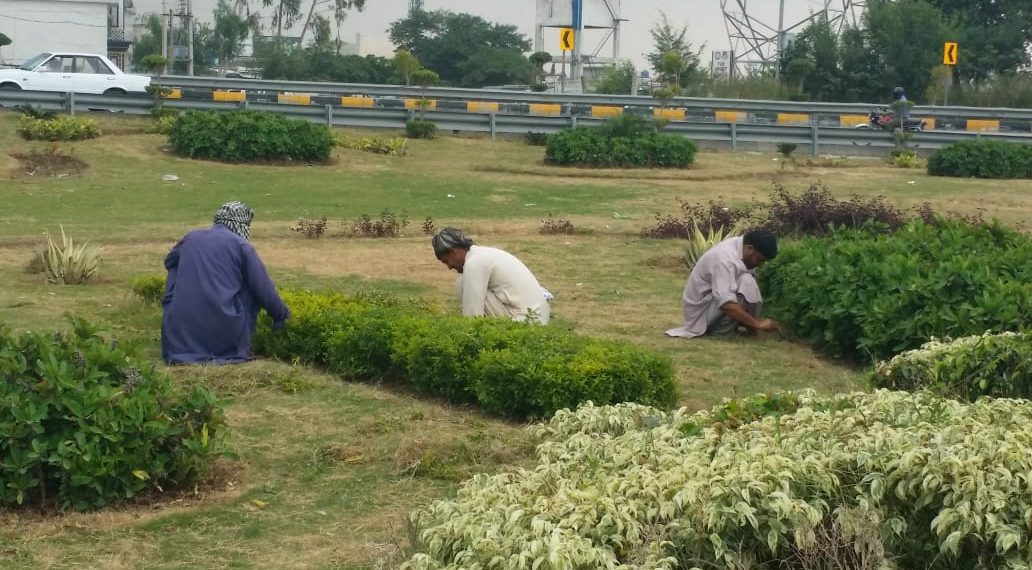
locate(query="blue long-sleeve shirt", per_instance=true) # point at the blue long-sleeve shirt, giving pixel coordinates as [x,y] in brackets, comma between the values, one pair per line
[215,287]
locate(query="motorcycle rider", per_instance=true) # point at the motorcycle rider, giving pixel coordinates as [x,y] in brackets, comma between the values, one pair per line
[900,104]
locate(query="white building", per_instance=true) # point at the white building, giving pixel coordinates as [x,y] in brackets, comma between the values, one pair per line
[86,26]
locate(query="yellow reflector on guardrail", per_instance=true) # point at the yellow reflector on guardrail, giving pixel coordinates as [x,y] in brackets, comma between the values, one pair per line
[546,108]
[430,104]
[291,99]
[174,93]
[482,107]
[228,96]
[356,101]
[669,114]
[729,117]
[983,125]
[853,120]
[793,119]
[605,111]
[929,124]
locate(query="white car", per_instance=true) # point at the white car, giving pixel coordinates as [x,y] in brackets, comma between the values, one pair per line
[72,72]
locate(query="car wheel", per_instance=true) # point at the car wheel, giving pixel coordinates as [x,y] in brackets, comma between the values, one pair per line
[10,86]
[115,92]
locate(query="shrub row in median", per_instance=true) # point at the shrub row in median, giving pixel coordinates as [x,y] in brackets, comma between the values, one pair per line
[997,365]
[511,369]
[244,136]
[868,297]
[84,423]
[982,158]
[861,481]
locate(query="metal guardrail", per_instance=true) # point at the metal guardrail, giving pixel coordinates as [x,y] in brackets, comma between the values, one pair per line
[691,103]
[815,137]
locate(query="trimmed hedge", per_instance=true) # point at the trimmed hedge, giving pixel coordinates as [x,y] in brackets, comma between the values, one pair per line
[510,369]
[624,141]
[982,158]
[997,365]
[245,136]
[869,297]
[86,423]
[149,288]
[63,128]
[421,129]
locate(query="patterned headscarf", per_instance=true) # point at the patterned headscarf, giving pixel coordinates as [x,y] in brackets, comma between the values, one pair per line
[237,217]
[449,239]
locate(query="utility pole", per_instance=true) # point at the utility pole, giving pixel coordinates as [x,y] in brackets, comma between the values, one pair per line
[781,41]
[189,38]
[166,20]
[576,63]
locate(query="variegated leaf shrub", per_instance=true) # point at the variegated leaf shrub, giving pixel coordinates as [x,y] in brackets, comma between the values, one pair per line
[869,296]
[883,480]
[511,369]
[998,365]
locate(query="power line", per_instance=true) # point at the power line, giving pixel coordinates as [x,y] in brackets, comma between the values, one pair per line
[53,21]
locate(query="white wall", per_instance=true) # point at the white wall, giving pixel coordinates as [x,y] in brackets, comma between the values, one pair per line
[36,26]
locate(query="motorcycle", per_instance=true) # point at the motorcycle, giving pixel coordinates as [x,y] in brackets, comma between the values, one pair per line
[885,120]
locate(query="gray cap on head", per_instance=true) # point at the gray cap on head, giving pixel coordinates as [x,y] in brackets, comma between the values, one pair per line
[449,239]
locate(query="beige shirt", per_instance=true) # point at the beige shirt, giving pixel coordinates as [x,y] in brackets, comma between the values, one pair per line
[718,278]
[491,276]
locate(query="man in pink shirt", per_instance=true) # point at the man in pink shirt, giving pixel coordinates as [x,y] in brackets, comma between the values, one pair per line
[721,294]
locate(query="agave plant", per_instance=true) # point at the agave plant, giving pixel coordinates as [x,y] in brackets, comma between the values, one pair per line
[699,242]
[69,264]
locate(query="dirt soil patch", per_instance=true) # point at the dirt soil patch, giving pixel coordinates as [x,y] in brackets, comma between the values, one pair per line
[49,162]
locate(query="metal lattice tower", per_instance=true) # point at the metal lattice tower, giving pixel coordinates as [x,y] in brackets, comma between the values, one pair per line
[415,6]
[756,45]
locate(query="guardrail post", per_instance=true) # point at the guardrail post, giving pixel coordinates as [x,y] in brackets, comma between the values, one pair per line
[813,140]
[491,119]
[410,115]
[573,121]
[242,105]
[329,116]
[70,103]
[734,136]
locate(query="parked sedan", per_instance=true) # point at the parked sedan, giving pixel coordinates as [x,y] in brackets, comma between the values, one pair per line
[72,72]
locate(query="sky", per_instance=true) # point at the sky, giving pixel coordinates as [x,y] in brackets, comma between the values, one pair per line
[703,18]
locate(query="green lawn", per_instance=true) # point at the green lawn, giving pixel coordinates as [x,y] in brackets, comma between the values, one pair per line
[329,471]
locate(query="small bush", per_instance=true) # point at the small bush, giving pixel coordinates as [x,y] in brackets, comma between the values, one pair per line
[906,158]
[149,288]
[997,365]
[624,141]
[63,128]
[392,146]
[248,136]
[786,149]
[706,218]
[36,112]
[815,212]
[163,125]
[982,158]
[87,423]
[429,228]
[66,263]
[700,242]
[536,139]
[559,226]
[869,296]
[311,228]
[389,225]
[508,368]
[420,129]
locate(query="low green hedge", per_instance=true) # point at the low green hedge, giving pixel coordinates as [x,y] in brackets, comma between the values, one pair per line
[421,129]
[246,136]
[982,158]
[85,423]
[62,128]
[149,288]
[597,147]
[511,369]
[997,365]
[868,297]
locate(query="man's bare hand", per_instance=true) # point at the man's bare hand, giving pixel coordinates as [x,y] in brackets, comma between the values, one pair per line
[767,325]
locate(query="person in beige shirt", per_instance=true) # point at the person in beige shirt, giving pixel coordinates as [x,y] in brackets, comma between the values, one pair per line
[491,282]
[721,294]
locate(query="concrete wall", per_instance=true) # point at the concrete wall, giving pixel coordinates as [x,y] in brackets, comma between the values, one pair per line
[36,26]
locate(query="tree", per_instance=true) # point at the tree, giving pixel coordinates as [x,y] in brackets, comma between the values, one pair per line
[617,79]
[666,39]
[147,43]
[405,63]
[424,78]
[907,36]
[460,47]
[230,31]
[812,62]
[539,59]
[993,34]
[4,41]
